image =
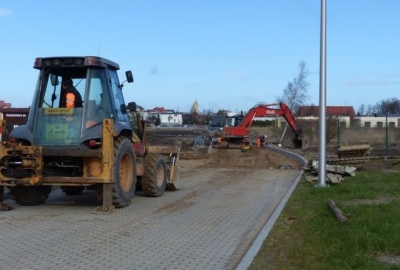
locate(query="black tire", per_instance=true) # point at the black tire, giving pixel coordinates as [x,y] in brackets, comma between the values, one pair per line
[124,173]
[155,175]
[31,195]
[70,190]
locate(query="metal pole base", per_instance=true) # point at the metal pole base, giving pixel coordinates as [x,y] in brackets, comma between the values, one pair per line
[321,185]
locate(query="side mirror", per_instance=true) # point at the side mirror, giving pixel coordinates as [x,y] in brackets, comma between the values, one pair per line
[54,80]
[132,106]
[129,76]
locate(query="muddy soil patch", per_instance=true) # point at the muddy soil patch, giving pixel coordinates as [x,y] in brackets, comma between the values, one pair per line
[202,155]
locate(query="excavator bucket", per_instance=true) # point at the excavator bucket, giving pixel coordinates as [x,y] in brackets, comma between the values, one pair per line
[298,144]
[301,143]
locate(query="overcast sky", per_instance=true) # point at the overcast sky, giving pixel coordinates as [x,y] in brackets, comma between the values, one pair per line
[224,54]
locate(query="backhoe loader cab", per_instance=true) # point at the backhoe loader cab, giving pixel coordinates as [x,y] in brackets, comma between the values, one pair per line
[90,143]
[51,123]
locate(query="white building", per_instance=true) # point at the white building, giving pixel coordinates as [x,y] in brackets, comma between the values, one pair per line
[171,119]
[358,121]
[376,121]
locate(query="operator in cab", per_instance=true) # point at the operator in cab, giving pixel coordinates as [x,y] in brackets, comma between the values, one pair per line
[70,97]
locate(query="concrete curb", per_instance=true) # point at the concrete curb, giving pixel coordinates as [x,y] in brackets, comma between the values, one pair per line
[255,247]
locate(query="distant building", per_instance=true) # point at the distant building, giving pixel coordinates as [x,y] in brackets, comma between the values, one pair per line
[151,115]
[378,121]
[337,111]
[14,117]
[171,119]
[157,110]
[4,104]
[195,107]
[346,117]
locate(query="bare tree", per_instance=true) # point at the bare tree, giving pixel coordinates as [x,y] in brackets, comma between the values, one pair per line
[361,110]
[390,105]
[331,128]
[370,110]
[295,94]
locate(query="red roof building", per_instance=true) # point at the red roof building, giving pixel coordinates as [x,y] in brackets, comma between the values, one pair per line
[4,104]
[330,110]
[158,110]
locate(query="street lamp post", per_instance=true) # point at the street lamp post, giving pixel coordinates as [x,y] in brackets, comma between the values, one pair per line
[322,102]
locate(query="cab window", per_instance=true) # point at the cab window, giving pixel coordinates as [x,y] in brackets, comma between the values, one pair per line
[118,98]
[51,95]
[99,105]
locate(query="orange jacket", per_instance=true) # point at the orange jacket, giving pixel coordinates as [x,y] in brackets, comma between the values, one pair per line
[71,98]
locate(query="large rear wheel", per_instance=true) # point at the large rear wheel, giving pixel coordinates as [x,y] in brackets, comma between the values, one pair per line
[155,175]
[30,195]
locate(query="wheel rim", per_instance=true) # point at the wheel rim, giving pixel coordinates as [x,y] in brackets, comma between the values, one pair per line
[159,176]
[126,173]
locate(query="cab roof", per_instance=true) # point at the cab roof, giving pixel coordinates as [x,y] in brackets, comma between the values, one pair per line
[73,61]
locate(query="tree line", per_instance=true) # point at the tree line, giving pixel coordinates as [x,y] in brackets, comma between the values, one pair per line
[385,106]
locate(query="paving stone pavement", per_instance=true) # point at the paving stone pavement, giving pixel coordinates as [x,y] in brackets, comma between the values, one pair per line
[209,223]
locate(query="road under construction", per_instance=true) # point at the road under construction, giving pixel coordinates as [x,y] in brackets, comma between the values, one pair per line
[225,202]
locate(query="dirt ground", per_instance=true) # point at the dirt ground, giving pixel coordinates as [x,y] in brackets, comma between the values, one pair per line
[205,156]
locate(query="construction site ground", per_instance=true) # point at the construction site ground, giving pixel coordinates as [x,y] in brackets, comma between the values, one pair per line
[226,198]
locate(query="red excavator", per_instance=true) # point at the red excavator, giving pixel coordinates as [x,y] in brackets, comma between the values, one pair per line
[237,135]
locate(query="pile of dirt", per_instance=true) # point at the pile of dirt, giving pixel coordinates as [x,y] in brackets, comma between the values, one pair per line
[184,137]
[203,155]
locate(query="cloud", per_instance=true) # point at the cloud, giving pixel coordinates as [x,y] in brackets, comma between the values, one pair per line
[388,79]
[369,82]
[154,70]
[5,12]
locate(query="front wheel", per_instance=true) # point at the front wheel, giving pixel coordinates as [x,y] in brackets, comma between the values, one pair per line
[155,175]
[30,195]
[124,172]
